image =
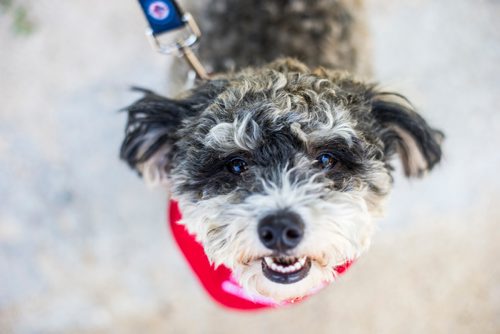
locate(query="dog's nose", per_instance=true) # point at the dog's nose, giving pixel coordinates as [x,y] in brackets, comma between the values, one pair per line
[281,231]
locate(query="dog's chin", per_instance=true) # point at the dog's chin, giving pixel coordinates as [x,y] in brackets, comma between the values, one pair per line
[284,279]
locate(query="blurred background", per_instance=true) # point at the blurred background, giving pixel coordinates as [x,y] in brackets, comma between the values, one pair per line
[83,243]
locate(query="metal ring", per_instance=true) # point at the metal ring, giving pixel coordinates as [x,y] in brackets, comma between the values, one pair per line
[190,40]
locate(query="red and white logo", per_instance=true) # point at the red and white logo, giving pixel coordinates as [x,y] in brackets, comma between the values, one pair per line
[158,10]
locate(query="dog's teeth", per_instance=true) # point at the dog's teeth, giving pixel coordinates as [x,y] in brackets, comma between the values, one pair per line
[285,265]
[280,268]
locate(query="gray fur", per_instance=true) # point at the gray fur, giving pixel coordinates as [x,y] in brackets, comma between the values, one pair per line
[278,118]
[327,33]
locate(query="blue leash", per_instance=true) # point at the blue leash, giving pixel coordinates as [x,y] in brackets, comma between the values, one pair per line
[166,16]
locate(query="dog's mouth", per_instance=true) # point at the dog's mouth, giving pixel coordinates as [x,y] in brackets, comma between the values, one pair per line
[285,269]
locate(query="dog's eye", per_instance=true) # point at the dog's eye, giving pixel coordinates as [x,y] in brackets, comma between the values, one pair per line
[237,166]
[326,160]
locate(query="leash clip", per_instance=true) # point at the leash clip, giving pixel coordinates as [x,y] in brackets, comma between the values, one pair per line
[193,37]
[164,16]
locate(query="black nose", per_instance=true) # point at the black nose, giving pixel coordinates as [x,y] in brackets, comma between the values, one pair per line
[281,231]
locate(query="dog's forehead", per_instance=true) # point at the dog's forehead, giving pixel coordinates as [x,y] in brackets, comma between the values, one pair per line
[253,110]
[252,125]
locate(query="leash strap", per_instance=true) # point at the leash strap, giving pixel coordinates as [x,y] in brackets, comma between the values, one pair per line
[166,16]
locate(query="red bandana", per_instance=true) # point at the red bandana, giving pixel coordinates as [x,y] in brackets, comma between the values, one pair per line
[219,283]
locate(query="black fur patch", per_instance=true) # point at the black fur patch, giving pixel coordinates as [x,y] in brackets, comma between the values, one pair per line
[392,114]
[155,113]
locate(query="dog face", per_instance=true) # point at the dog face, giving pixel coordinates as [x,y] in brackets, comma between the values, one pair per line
[279,171]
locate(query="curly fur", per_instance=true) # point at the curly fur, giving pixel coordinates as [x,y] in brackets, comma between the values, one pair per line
[279,117]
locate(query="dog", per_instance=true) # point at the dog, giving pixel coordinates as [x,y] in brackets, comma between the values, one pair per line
[282,161]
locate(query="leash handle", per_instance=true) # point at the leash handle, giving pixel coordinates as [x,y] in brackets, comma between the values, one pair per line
[162,15]
[165,16]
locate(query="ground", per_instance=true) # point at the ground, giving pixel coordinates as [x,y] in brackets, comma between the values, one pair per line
[83,243]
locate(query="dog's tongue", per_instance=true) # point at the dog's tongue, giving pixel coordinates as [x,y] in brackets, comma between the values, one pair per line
[219,282]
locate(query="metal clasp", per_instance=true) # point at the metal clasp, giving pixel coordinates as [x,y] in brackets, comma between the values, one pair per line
[182,46]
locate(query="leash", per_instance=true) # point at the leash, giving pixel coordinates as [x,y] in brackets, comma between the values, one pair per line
[165,16]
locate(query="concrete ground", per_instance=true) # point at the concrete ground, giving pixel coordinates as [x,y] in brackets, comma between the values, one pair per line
[83,246]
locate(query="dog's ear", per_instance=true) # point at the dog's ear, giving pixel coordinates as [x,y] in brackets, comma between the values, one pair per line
[152,126]
[405,132]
